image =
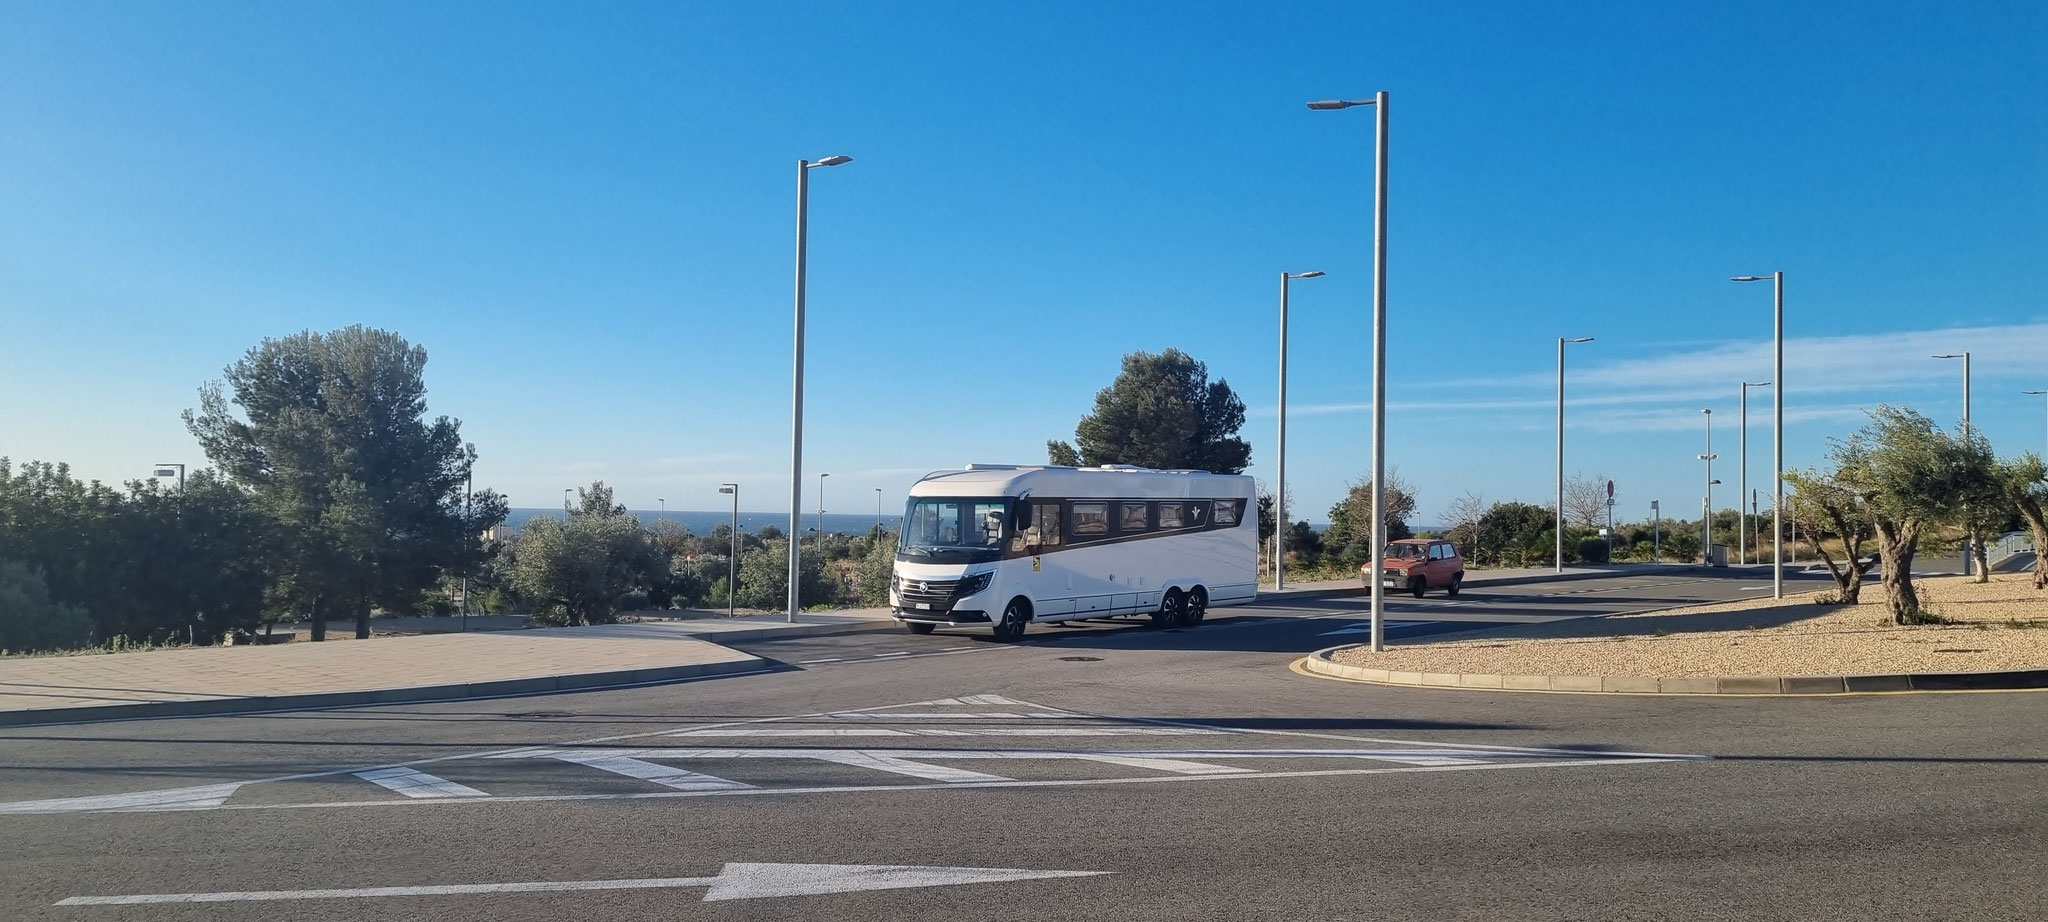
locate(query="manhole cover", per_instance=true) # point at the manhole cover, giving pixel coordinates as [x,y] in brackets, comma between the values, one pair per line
[1080,659]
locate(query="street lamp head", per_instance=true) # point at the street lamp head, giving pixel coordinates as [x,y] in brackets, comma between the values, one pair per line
[1310,274]
[2034,392]
[1708,412]
[169,472]
[1751,278]
[728,487]
[1951,355]
[1331,104]
[1582,339]
[834,160]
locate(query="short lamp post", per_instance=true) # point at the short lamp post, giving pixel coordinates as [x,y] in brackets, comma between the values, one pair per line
[732,560]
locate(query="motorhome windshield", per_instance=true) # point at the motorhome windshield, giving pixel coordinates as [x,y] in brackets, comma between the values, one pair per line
[952,528]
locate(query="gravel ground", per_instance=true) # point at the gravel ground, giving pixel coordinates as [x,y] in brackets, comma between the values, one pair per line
[2002,625]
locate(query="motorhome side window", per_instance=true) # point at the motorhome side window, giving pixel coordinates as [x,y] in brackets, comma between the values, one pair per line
[1133,518]
[1091,519]
[1046,518]
[1169,515]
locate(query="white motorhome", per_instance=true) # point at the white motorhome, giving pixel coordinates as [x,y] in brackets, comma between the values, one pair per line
[999,546]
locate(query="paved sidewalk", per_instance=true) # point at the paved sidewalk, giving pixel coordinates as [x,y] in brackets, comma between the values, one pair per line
[214,680]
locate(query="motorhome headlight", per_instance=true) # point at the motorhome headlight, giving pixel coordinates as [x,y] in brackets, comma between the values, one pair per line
[976,583]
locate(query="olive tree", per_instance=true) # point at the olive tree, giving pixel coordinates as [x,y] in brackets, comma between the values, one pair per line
[2022,480]
[1823,507]
[1910,476]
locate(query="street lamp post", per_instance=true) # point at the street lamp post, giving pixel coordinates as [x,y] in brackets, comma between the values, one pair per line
[1742,490]
[1777,280]
[732,559]
[468,489]
[796,400]
[1561,341]
[1380,104]
[1280,489]
[1707,502]
[1656,532]
[878,513]
[2044,457]
[664,509]
[163,469]
[565,504]
[821,510]
[1969,538]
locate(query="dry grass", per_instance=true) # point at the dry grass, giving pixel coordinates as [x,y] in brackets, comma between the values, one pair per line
[1995,626]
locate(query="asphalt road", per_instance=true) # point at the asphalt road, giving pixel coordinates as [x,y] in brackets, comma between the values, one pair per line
[1206,779]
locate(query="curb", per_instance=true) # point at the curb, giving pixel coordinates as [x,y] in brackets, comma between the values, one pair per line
[415,694]
[1361,591]
[1321,665]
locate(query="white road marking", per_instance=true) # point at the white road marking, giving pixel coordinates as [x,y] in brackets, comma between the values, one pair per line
[887,761]
[814,662]
[772,732]
[414,783]
[878,788]
[737,881]
[1365,627]
[202,796]
[621,762]
[897,653]
[215,796]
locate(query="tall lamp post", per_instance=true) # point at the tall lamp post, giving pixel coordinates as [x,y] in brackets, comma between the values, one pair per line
[565,504]
[2044,457]
[1280,489]
[796,400]
[1707,502]
[664,508]
[1656,533]
[1777,280]
[164,469]
[1968,537]
[468,489]
[821,509]
[878,512]
[732,560]
[1561,341]
[1380,104]
[1742,490]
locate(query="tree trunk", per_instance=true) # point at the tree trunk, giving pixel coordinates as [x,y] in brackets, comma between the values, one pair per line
[1896,543]
[319,618]
[1852,544]
[363,619]
[1983,560]
[2030,509]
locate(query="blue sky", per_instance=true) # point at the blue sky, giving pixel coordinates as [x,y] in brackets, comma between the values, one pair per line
[584,212]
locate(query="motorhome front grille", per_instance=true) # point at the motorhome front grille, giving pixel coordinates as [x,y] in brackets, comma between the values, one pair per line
[929,591]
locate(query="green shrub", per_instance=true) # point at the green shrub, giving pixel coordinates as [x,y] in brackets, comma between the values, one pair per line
[29,620]
[1593,550]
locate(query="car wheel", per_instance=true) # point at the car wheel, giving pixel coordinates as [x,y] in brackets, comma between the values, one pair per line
[917,627]
[1457,582]
[1418,586]
[1170,607]
[1197,606]
[1011,627]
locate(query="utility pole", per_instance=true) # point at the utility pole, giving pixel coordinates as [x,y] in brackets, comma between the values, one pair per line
[1656,533]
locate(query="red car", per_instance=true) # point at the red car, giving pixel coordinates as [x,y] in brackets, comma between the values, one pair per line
[1419,565]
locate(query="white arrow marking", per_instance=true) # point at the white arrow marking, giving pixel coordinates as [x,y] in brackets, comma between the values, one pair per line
[738,881]
[414,783]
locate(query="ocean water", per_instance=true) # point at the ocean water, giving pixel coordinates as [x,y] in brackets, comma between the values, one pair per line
[701,523]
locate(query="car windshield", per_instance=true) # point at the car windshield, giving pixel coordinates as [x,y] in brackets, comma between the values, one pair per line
[942,526]
[1410,551]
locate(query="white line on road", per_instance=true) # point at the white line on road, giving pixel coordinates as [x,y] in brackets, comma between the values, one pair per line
[413,783]
[621,762]
[737,881]
[814,662]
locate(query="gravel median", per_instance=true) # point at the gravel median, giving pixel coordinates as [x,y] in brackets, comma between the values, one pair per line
[2000,625]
